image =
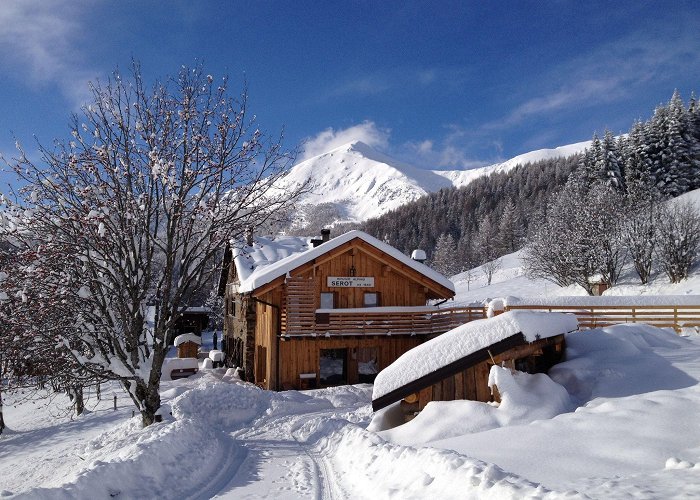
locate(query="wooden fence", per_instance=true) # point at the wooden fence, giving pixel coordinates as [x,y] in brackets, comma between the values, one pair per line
[596,316]
[300,318]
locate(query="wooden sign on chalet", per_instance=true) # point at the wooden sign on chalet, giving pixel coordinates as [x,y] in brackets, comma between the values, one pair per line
[306,313]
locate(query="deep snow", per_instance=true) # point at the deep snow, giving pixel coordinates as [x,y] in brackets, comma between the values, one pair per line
[467,339]
[618,419]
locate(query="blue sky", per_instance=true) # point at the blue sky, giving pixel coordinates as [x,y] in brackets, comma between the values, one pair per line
[440,84]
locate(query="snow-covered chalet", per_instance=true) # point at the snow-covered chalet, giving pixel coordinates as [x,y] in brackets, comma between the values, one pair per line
[302,313]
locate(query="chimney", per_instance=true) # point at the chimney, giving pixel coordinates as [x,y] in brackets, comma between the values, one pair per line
[249,236]
[419,255]
[325,235]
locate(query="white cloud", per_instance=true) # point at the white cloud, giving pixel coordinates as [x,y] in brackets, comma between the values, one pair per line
[41,41]
[592,90]
[367,132]
[612,72]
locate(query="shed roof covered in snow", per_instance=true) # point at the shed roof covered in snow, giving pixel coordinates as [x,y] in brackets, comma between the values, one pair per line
[451,347]
[269,258]
[187,337]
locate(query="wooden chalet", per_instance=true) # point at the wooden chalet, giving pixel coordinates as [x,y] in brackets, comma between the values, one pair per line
[457,365]
[305,313]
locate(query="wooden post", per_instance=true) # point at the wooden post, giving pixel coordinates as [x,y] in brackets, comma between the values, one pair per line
[115,402]
[676,326]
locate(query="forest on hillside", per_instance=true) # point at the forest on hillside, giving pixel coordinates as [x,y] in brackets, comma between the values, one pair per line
[493,216]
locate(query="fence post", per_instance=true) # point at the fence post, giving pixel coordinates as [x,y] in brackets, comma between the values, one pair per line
[115,402]
[676,326]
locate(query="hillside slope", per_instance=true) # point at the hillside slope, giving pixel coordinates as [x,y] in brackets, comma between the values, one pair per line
[511,279]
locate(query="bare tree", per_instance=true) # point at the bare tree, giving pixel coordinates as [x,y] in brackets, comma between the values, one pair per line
[679,239]
[606,211]
[562,248]
[640,233]
[120,224]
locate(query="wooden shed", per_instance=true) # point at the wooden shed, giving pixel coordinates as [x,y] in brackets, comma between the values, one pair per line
[192,320]
[187,345]
[460,370]
[311,313]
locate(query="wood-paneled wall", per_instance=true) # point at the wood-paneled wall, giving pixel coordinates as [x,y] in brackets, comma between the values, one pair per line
[301,355]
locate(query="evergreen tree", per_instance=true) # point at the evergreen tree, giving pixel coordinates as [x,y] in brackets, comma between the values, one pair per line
[638,175]
[509,229]
[444,258]
[609,166]
[678,149]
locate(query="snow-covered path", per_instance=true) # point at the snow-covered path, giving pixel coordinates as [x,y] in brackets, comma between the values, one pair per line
[282,458]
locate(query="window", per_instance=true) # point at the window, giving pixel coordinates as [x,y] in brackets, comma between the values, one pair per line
[371,299]
[230,306]
[333,366]
[327,300]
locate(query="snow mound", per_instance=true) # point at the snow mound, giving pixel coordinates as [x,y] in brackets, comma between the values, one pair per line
[524,399]
[370,467]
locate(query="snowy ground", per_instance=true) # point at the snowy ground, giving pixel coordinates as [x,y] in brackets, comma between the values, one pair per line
[618,419]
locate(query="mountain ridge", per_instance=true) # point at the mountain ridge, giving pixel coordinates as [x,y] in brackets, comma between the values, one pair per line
[357,182]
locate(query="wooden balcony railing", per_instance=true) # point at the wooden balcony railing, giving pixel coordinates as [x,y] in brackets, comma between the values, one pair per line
[382,321]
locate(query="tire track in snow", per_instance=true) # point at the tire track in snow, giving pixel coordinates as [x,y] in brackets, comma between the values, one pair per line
[284,446]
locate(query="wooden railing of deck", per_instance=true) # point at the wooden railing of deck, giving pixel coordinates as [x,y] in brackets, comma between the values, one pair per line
[408,322]
[662,316]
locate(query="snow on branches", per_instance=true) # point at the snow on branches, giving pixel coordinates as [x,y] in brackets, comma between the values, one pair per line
[132,212]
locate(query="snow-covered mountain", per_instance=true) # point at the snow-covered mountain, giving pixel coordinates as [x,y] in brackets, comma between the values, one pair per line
[359,182]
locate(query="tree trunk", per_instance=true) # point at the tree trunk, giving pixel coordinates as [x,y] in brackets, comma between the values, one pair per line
[149,397]
[2,420]
[78,400]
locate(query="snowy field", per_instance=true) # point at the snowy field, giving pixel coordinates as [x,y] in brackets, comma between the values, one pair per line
[618,419]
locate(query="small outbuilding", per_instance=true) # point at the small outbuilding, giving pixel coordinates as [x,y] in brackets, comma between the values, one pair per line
[598,284]
[456,365]
[188,345]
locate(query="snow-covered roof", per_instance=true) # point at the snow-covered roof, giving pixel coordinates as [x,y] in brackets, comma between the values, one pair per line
[269,259]
[187,337]
[252,260]
[467,339]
